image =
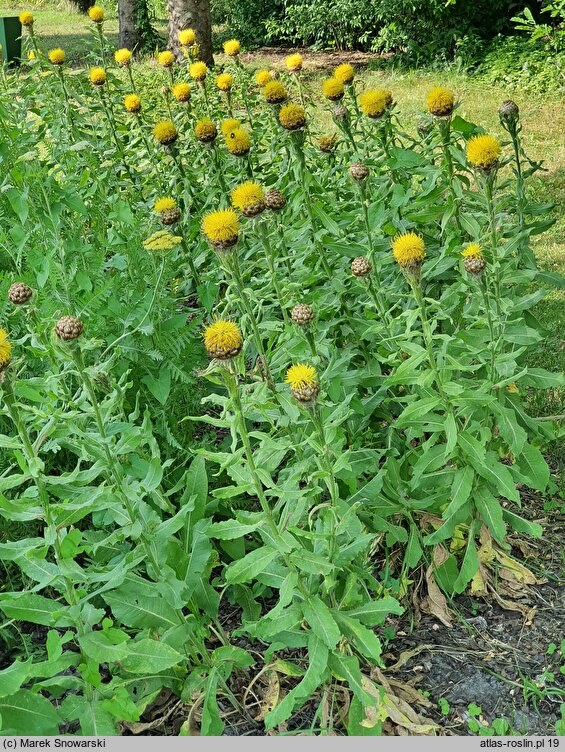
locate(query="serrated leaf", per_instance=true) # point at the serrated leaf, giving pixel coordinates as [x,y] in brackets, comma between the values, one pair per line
[533,467]
[314,676]
[147,656]
[35,609]
[364,639]
[26,713]
[490,510]
[321,621]
[251,565]
[230,529]
[374,613]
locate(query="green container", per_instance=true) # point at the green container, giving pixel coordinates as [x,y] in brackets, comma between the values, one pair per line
[10,39]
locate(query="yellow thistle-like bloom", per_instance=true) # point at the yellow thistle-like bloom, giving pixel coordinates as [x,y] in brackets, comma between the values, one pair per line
[198,70]
[166,58]
[238,142]
[182,92]
[483,151]
[408,250]
[96,14]
[164,204]
[247,195]
[97,76]
[263,77]
[303,381]
[223,340]
[123,56]
[301,375]
[345,73]
[26,18]
[132,103]
[229,126]
[31,55]
[205,130]
[274,92]
[221,228]
[56,56]
[5,349]
[292,117]
[162,240]
[232,47]
[473,260]
[187,37]
[293,62]
[374,102]
[333,88]
[473,250]
[327,143]
[165,132]
[440,101]
[224,81]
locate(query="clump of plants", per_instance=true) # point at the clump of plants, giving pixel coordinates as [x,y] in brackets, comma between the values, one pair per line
[253,377]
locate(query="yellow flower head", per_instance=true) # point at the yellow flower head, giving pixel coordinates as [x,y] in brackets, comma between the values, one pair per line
[31,55]
[182,92]
[165,132]
[274,92]
[96,14]
[408,249]
[132,103]
[232,47]
[328,143]
[473,250]
[166,58]
[263,77]
[164,204]
[374,102]
[345,73]
[187,37]
[205,130]
[198,70]
[292,117]
[221,228]
[238,142]
[26,18]
[5,348]
[224,81]
[162,240]
[229,126]
[293,62]
[301,376]
[483,151]
[123,56]
[440,101]
[247,195]
[222,339]
[56,56]
[97,76]
[333,88]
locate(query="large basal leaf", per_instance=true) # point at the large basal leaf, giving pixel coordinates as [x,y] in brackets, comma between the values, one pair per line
[374,613]
[28,714]
[141,611]
[148,656]
[35,609]
[314,676]
[251,565]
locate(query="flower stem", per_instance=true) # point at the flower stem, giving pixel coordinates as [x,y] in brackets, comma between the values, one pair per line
[233,266]
[270,263]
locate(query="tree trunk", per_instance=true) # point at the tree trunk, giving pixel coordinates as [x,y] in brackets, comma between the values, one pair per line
[130,34]
[83,5]
[191,14]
